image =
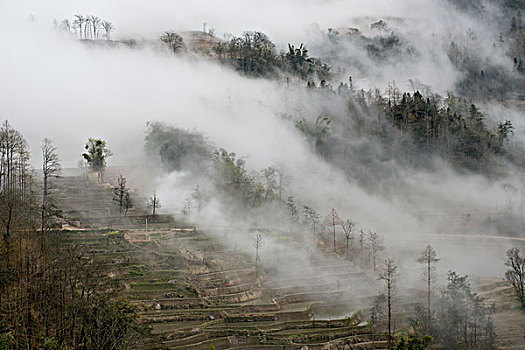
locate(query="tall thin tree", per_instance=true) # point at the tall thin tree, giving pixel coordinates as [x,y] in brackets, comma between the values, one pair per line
[332,220]
[388,275]
[50,171]
[429,258]
[375,244]
[258,243]
[79,23]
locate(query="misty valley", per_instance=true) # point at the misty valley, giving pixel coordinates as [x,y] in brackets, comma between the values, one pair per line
[288,175]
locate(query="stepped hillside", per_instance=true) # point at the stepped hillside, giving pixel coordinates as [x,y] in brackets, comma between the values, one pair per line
[193,292]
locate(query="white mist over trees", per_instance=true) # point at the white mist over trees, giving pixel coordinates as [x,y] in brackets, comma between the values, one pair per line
[357,130]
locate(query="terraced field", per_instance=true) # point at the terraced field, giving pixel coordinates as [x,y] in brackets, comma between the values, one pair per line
[194,292]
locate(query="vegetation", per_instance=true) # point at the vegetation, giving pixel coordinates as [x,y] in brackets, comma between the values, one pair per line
[52,295]
[388,276]
[412,342]
[429,258]
[122,196]
[516,273]
[456,132]
[50,170]
[153,203]
[463,321]
[254,54]
[178,149]
[86,27]
[258,243]
[173,40]
[96,156]
[15,179]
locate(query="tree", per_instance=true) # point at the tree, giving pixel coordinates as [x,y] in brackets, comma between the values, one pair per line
[173,40]
[413,342]
[108,28]
[153,203]
[332,220]
[463,321]
[516,274]
[47,296]
[179,149]
[196,196]
[186,210]
[50,170]
[128,203]
[429,258]
[95,25]
[121,195]
[282,180]
[290,203]
[388,276]
[252,53]
[96,156]
[65,26]
[258,243]
[348,226]
[78,23]
[311,219]
[270,182]
[377,310]
[110,324]
[361,239]
[375,244]
[316,133]
[15,177]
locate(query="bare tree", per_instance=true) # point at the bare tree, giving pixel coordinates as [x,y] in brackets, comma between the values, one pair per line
[348,227]
[79,23]
[65,26]
[15,177]
[108,28]
[388,275]
[153,203]
[258,243]
[95,25]
[87,27]
[50,170]
[375,244]
[332,220]
[429,258]
[516,274]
